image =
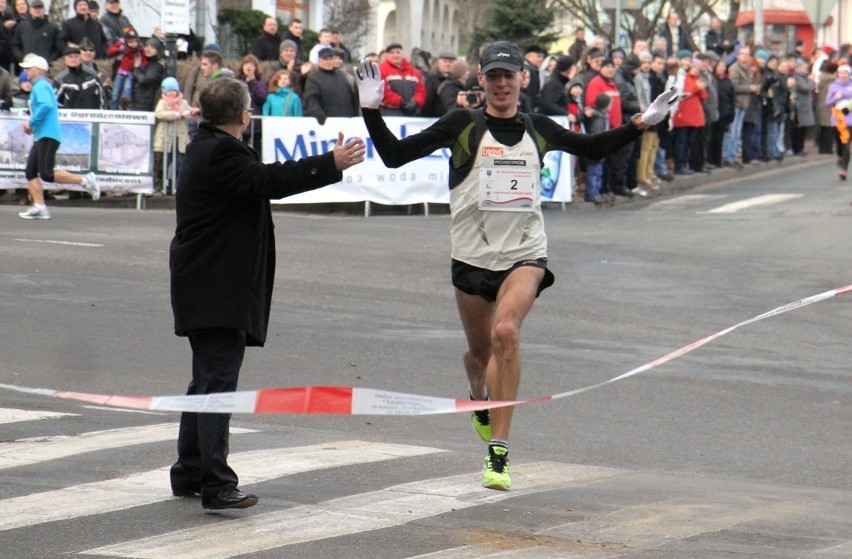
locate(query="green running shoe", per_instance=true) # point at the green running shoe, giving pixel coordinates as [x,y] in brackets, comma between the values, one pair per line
[481,420]
[496,475]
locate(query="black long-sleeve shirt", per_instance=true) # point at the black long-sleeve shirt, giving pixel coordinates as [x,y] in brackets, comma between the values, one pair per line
[454,129]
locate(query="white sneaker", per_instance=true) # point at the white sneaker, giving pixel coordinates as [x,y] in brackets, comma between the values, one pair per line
[35,213]
[639,191]
[90,185]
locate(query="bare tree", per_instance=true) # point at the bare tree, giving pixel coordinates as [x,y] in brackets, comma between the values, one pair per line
[59,11]
[352,18]
[471,14]
[642,19]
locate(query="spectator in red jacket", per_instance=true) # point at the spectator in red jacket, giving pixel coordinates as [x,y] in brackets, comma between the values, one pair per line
[689,117]
[405,92]
[604,82]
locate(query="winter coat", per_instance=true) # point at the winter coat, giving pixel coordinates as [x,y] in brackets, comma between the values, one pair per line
[171,125]
[146,84]
[328,94]
[627,90]
[804,100]
[282,102]
[222,257]
[839,91]
[115,26]
[690,111]
[725,95]
[402,84]
[38,36]
[823,113]
[78,88]
[600,85]
[742,79]
[76,28]
[266,47]
[554,97]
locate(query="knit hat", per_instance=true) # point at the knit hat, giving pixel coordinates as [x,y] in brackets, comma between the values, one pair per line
[761,55]
[325,52]
[603,101]
[684,53]
[212,47]
[287,44]
[594,53]
[828,49]
[393,46]
[169,84]
[844,68]
[23,77]
[564,63]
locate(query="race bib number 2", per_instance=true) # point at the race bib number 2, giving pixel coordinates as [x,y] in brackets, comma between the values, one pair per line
[507,187]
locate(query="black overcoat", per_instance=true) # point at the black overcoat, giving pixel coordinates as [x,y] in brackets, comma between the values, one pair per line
[222,257]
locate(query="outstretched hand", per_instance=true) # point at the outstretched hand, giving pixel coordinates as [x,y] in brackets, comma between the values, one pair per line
[371,87]
[660,107]
[348,154]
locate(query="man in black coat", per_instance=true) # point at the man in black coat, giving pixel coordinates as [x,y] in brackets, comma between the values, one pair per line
[554,95]
[222,262]
[35,34]
[327,92]
[81,26]
[265,45]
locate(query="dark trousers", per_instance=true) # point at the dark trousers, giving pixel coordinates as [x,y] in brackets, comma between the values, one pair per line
[715,142]
[797,137]
[683,139]
[615,167]
[202,465]
[842,152]
[698,151]
[748,146]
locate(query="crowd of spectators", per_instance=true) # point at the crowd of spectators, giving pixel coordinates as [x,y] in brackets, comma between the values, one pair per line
[738,104]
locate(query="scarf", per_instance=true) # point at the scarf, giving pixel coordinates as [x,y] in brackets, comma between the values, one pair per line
[173,102]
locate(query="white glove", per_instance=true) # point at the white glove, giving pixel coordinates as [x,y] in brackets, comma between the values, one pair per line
[660,107]
[371,87]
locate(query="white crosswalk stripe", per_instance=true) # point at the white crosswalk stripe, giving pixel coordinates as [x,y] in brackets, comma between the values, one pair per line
[11,415]
[685,201]
[392,506]
[765,200]
[150,487]
[25,452]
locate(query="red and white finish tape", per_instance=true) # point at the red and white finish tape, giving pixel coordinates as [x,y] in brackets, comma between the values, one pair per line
[342,400]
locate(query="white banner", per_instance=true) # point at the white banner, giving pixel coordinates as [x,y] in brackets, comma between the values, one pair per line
[115,145]
[423,181]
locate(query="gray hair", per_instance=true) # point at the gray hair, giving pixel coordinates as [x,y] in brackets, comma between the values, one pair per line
[223,100]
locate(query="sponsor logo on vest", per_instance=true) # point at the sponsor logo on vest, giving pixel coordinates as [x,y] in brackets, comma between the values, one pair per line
[511,162]
[492,151]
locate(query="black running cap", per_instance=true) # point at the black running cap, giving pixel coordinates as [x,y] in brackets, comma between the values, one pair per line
[501,54]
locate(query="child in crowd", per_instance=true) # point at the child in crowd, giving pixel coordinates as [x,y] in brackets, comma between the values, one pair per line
[282,99]
[171,112]
[596,121]
[132,56]
[21,96]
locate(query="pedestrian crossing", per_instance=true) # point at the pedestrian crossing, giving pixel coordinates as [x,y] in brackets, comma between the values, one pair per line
[637,510]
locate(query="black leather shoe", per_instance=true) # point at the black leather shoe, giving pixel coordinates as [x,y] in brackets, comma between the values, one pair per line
[229,499]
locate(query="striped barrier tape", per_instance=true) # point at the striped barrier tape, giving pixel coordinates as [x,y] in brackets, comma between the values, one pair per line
[343,400]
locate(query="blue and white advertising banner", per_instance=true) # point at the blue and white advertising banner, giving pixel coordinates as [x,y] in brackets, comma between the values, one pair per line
[423,181]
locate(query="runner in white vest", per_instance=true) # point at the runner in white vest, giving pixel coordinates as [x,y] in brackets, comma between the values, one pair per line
[499,248]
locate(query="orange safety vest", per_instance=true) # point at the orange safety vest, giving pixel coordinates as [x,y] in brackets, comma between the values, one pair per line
[840,118]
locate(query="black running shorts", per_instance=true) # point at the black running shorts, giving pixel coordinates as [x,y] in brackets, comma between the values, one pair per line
[486,283]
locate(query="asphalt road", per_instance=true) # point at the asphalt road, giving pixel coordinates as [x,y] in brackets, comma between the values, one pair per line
[740,448]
